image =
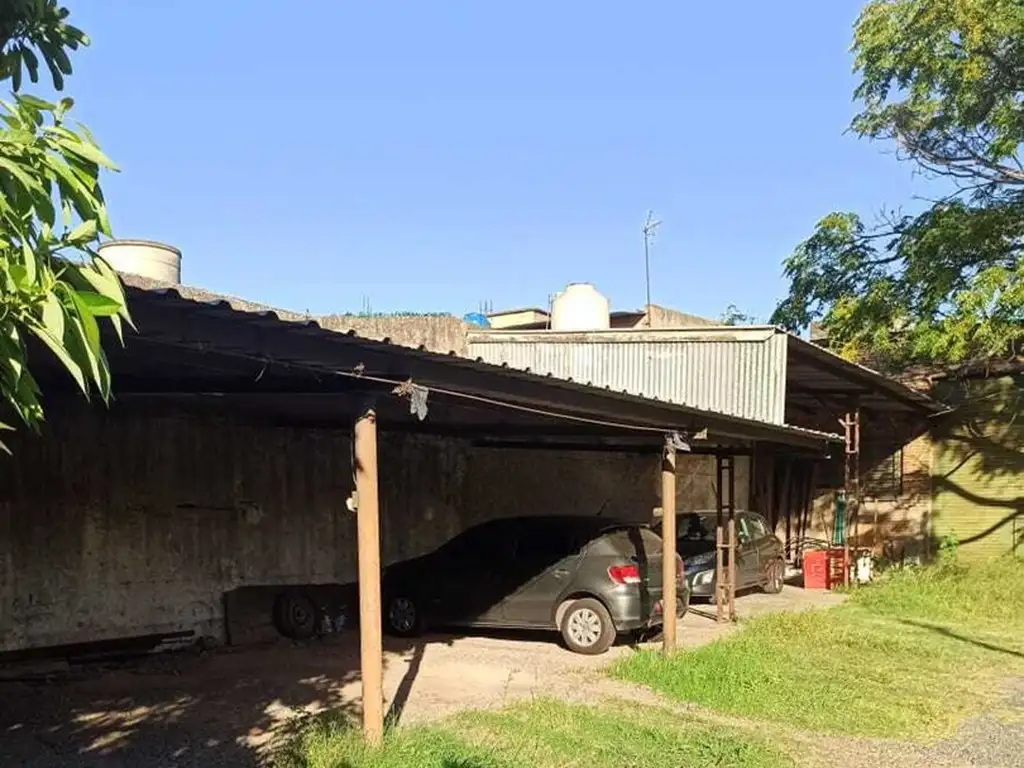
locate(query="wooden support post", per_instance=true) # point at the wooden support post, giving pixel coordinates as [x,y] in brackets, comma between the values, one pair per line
[669,572]
[371,648]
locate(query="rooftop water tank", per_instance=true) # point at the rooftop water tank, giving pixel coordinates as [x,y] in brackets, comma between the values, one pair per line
[580,307]
[145,258]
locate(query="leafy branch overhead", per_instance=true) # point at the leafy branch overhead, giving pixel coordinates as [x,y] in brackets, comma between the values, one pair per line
[943,81]
[54,289]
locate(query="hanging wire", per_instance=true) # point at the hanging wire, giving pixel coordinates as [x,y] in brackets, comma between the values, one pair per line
[396,384]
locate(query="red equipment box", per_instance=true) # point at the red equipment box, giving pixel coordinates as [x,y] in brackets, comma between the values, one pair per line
[823,568]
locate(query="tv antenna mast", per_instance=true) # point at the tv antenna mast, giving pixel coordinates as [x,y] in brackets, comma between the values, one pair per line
[650,225]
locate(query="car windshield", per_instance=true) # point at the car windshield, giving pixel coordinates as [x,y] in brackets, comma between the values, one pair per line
[696,527]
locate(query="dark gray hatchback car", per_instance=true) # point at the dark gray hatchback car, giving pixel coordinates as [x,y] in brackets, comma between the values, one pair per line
[760,558]
[587,577]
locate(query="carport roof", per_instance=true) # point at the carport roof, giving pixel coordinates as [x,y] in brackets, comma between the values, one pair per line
[749,371]
[191,343]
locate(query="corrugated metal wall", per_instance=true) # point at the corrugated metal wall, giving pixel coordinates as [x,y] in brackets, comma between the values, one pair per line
[739,377]
[979,469]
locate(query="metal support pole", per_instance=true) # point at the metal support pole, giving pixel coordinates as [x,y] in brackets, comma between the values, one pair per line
[851,482]
[371,649]
[719,543]
[732,538]
[669,572]
[725,538]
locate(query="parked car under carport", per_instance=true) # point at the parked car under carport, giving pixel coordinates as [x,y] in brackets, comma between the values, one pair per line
[589,578]
[760,560]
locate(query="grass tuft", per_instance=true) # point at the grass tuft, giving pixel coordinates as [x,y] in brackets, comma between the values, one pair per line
[539,734]
[910,656]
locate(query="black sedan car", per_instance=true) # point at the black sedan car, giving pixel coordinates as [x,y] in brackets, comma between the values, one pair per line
[760,560]
[586,577]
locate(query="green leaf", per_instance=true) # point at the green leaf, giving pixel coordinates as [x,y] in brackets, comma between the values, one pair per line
[82,341]
[29,184]
[99,305]
[87,151]
[115,321]
[56,346]
[29,262]
[14,63]
[90,329]
[63,107]
[31,62]
[36,102]
[53,316]
[83,233]
[112,287]
[19,277]
[61,60]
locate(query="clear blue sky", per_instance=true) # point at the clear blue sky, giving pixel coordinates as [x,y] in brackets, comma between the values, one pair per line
[431,155]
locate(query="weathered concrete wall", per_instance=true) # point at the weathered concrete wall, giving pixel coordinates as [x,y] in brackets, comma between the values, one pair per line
[113,526]
[663,317]
[507,482]
[117,523]
[436,333]
[697,482]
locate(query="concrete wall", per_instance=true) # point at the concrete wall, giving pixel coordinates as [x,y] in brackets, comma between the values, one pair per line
[696,483]
[436,333]
[117,523]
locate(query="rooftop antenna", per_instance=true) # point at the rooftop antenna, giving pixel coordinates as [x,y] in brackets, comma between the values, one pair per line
[650,225]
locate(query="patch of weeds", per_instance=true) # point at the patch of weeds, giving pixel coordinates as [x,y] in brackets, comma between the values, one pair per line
[909,657]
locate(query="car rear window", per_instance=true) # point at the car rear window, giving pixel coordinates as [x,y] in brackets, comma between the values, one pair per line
[626,541]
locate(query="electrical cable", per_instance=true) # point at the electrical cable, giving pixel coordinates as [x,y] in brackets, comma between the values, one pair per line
[359,375]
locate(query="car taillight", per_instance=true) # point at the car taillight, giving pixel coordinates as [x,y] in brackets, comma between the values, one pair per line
[624,574]
[680,568]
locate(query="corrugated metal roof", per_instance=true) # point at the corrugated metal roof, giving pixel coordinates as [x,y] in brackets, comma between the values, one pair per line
[142,290]
[748,371]
[739,373]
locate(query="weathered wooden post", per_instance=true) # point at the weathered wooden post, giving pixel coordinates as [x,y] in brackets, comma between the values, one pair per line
[371,648]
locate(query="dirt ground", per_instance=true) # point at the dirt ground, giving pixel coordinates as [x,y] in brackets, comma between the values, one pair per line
[226,708]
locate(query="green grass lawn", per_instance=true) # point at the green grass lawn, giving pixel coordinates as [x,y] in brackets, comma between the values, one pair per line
[539,734]
[909,656]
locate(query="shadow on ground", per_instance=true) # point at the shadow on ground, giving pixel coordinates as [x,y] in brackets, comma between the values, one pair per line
[946,632]
[182,709]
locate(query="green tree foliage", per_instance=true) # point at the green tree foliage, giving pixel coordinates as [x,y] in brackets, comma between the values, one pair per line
[54,289]
[942,80]
[733,315]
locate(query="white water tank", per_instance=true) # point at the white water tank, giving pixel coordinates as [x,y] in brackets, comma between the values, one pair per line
[145,258]
[580,307]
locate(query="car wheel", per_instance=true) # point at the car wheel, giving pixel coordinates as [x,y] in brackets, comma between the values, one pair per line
[774,577]
[295,615]
[402,616]
[587,627]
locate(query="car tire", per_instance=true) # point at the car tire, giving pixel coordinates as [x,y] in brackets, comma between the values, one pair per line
[403,616]
[296,615]
[774,577]
[587,627]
